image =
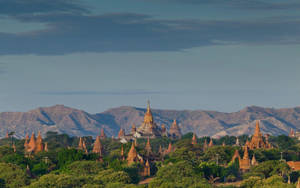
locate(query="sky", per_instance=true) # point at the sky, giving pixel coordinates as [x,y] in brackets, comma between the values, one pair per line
[94,55]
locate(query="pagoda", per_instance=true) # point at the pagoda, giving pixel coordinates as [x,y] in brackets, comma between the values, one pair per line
[102,134]
[257,139]
[148,148]
[211,144]
[39,143]
[32,144]
[174,131]
[97,146]
[194,139]
[132,155]
[245,162]
[149,128]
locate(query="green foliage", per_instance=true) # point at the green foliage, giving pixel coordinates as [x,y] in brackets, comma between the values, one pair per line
[273,181]
[12,176]
[84,168]
[223,153]
[109,176]
[67,156]
[283,142]
[211,171]
[62,181]
[181,174]
[268,168]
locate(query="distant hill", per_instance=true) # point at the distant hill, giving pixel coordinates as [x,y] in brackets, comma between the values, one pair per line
[76,122]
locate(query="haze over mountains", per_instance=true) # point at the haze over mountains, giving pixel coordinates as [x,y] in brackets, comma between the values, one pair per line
[76,122]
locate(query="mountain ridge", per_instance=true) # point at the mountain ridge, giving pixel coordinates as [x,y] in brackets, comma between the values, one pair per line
[75,122]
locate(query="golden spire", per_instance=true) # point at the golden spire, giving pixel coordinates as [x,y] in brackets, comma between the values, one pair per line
[253,161]
[170,149]
[246,154]
[148,118]
[211,144]
[148,147]
[31,144]
[223,144]
[132,155]
[194,139]
[257,129]
[80,144]
[39,143]
[147,169]
[84,147]
[97,146]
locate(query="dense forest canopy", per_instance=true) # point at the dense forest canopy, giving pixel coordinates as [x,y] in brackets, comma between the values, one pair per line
[64,165]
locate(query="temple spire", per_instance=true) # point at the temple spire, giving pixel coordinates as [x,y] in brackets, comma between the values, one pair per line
[194,139]
[148,147]
[80,144]
[132,155]
[211,144]
[102,134]
[31,144]
[97,146]
[246,154]
[39,143]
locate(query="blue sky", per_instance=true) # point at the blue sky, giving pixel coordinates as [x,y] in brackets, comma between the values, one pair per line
[181,54]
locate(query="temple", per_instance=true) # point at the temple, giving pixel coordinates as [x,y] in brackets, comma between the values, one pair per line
[174,131]
[149,129]
[35,145]
[257,140]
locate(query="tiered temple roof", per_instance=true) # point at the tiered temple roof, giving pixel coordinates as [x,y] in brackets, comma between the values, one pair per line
[149,128]
[257,139]
[174,131]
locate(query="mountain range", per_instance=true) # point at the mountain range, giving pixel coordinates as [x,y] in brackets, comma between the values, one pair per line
[74,122]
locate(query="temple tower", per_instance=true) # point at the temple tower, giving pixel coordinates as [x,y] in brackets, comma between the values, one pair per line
[97,146]
[80,144]
[148,147]
[148,127]
[211,144]
[257,139]
[102,134]
[132,155]
[194,139]
[39,143]
[32,144]
[175,130]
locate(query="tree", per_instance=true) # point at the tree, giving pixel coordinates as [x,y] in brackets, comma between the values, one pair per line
[268,168]
[181,174]
[12,175]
